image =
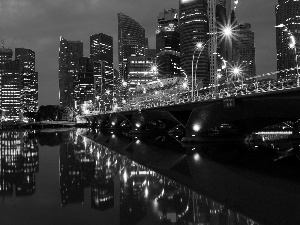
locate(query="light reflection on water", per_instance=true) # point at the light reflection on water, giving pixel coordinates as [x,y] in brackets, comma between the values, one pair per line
[111,187]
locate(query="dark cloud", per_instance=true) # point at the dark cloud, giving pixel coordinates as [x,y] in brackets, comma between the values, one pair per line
[38,24]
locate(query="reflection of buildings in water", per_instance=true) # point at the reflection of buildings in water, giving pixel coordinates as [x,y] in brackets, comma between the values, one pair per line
[140,186]
[103,186]
[71,186]
[19,162]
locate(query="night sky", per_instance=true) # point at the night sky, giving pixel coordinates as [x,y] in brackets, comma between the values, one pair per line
[38,24]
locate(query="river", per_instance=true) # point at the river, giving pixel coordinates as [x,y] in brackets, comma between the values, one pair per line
[84,176]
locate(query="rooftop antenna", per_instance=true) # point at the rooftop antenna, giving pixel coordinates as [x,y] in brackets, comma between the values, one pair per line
[2,42]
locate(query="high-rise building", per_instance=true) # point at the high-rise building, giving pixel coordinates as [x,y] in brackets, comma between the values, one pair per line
[141,71]
[287,13]
[194,27]
[243,51]
[101,49]
[69,54]
[29,79]
[84,83]
[11,90]
[168,43]
[10,85]
[131,40]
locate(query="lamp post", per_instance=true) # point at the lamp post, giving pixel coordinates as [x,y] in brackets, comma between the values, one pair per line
[198,47]
[292,45]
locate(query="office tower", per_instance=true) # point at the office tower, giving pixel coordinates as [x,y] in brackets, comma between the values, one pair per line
[131,40]
[101,49]
[10,85]
[287,14]
[243,50]
[217,43]
[69,54]
[141,71]
[168,44]
[29,79]
[193,19]
[84,83]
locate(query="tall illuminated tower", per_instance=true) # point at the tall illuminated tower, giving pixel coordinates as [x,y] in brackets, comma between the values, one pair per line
[287,13]
[131,40]
[69,54]
[29,79]
[168,43]
[101,49]
[194,27]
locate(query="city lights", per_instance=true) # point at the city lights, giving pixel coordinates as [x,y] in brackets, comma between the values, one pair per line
[292,45]
[196,127]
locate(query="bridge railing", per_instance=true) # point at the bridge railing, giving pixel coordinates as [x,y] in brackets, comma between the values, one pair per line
[178,94]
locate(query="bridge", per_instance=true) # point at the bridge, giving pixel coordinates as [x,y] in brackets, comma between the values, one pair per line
[243,107]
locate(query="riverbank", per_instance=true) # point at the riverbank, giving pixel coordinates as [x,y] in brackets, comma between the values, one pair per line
[40,125]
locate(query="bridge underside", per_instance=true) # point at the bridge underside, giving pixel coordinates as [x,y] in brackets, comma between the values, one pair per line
[247,116]
[200,119]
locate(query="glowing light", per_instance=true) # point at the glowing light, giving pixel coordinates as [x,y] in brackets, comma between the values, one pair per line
[146,192]
[125,176]
[137,124]
[227,31]
[196,127]
[199,45]
[154,68]
[197,157]
[236,70]
[186,1]
[184,85]
[113,123]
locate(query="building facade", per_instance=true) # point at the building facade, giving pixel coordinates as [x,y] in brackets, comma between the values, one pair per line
[29,79]
[69,54]
[84,83]
[101,49]
[287,13]
[194,27]
[131,40]
[141,71]
[11,90]
[243,52]
[168,44]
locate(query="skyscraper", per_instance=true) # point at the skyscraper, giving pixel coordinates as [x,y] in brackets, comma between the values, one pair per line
[131,40]
[194,27]
[243,55]
[69,54]
[101,49]
[10,85]
[84,83]
[168,43]
[11,90]
[29,79]
[287,13]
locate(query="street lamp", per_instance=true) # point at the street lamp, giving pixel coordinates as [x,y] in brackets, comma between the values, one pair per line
[292,45]
[198,47]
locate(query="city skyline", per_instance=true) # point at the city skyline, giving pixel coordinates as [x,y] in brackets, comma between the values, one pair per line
[38,27]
